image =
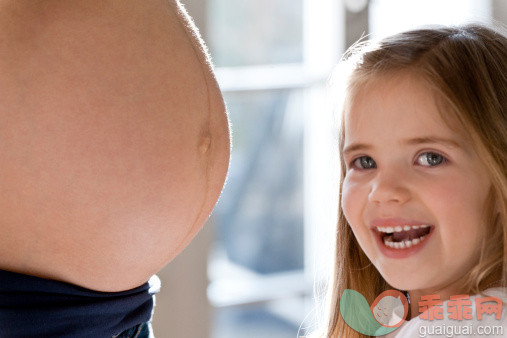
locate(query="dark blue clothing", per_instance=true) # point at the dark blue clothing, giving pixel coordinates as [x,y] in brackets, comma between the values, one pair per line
[139,331]
[37,307]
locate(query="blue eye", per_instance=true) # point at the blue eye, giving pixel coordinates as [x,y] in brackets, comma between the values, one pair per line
[430,159]
[364,162]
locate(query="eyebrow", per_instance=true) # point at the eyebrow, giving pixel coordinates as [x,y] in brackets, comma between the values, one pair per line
[356,146]
[434,139]
[412,141]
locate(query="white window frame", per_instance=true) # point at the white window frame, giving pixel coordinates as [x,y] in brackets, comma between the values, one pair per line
[323,40]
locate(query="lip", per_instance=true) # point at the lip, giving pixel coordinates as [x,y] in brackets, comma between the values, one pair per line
[399,253]
[385,222]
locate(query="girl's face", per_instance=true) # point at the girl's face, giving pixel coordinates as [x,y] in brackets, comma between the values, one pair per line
[414,191]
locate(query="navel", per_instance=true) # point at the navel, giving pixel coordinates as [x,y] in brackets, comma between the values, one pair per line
[205,143]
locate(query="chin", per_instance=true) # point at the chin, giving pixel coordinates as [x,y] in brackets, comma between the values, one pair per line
[403,281]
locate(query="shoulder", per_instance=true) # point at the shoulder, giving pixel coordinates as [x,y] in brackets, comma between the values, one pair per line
[470,316]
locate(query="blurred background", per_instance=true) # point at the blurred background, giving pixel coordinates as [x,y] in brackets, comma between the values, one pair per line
[250,272]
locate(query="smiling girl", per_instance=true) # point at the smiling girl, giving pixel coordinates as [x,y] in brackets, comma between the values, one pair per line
[424,164]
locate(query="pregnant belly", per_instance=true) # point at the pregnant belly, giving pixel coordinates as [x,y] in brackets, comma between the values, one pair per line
[115,141]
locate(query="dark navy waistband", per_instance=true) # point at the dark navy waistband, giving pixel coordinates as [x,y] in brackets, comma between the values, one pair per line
[37,307]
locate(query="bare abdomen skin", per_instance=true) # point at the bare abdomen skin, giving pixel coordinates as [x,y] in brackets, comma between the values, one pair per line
[114,139]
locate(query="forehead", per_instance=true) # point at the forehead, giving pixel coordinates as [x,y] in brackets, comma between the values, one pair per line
[390,107]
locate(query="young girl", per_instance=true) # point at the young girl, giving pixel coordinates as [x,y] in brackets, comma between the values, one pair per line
[423,194]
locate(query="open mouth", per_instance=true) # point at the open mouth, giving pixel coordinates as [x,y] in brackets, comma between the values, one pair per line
[402,237]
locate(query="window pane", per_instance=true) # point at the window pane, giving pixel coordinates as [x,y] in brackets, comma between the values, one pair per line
[252,322]
[260,212]
[392,16]
[253,32]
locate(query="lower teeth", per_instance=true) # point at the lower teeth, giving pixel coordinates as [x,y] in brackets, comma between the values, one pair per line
[403,244]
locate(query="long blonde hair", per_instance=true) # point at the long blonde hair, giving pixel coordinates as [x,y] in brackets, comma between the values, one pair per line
[466,67]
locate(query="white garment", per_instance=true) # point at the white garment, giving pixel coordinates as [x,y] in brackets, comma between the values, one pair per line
[447,327]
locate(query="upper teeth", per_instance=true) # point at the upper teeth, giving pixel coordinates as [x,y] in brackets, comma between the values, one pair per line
[401,228]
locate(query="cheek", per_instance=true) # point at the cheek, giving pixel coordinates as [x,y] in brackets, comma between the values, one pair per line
[458,208]
[353,201]
[347,198]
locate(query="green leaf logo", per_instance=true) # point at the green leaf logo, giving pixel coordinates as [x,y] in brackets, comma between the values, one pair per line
[386,314]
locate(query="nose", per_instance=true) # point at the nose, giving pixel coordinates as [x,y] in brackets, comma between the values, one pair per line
[389,188]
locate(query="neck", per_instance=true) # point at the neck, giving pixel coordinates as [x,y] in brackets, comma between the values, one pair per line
[415,298]
[446,292]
